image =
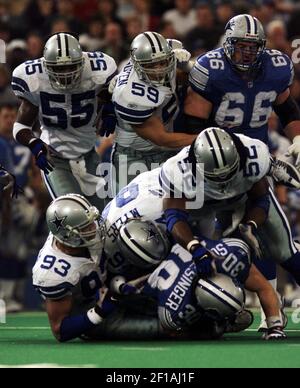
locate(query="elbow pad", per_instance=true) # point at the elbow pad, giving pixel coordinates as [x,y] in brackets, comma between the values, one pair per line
[173,216]
[288,111]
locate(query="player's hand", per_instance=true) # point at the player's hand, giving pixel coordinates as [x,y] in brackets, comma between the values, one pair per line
[294,150]
[248,234]
[203,261]
[275,334]
[41,154]
[107,304]
[182,55]
[10,184]
[106,120]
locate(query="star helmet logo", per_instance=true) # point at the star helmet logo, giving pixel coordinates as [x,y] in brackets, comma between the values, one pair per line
[58,222]
[152,235]
[231,25]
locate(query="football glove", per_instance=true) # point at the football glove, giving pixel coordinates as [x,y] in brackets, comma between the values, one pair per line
[106,120]
[248,232]
[203,261]
[41,154]
[285,173]
[294,150]
[182,55]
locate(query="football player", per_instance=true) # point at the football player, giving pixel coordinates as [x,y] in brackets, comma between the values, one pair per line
[147,104]
[240,84]
[234,169]
[61,89]
[184,296]
[237,86]
[69,271]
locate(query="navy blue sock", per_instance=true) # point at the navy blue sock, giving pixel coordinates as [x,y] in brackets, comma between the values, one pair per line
[74,327]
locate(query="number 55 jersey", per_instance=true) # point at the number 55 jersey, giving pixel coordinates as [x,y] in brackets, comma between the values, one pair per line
[66,118]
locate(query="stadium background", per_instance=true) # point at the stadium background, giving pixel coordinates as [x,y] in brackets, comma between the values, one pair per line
[110,26]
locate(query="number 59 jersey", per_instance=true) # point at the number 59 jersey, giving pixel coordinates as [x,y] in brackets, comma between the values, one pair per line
[136,101]
[240,105]
[57,275]
[66,118]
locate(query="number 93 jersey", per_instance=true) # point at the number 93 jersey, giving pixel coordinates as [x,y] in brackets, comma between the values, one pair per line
[136,101]
[240,105]
[172,283]
[57,275]
[66,118]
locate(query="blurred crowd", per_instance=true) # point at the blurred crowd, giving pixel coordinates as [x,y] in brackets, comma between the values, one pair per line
[110,26]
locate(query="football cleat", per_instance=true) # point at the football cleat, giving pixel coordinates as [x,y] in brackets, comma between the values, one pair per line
[285,173]
[274,334]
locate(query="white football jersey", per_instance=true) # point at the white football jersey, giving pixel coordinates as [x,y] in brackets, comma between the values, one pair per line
[135,102]
[142,199]
[66,118]
[57,275]
[177,178]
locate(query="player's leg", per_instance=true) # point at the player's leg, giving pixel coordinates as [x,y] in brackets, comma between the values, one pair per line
[61,180]
[93,169]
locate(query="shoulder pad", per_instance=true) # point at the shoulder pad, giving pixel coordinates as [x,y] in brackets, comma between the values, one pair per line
[101,68]
[26,80]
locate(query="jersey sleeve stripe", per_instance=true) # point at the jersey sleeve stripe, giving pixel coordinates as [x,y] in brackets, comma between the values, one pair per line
[132,112]
[196,83]
[57,295]
[110,78]
[56,288]
[18,89]
[133,120]
[201,68]
[21,82]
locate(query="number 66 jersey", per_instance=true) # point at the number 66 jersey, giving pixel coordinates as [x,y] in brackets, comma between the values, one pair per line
[66,118]
[242,105]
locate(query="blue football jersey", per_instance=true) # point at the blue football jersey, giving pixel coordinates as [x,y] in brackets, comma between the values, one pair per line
[172,284]
[240,105]
[22,162]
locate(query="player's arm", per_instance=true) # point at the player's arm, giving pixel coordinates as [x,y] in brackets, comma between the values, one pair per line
[177,219]
[269,302]
[197,111]
[65,327]
[26,118]
[154,131]
[257,214]
[288,112]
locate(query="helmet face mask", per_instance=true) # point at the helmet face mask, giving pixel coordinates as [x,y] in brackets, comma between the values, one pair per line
[64,62]
[74,222]
[64,77]
[153,59]
[245,42]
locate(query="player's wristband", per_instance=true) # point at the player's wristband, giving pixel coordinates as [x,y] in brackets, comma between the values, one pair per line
[253,223]
[94,315]
[192,244]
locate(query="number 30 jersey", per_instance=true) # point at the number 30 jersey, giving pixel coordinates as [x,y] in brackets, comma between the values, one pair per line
[66,118]
[239,105]
[135,102]
[57,275]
